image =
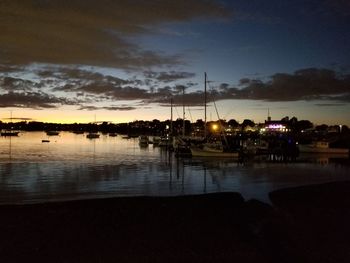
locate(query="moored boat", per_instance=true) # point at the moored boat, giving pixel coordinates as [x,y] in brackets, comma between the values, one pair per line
[207,152]
[92,135]
[143,141]
[9,133]
[78,132]
[166,141]
[52,133]
[321,147]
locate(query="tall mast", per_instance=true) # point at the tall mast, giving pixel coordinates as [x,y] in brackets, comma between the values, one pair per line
[205,104]
[171,116]
[183,110]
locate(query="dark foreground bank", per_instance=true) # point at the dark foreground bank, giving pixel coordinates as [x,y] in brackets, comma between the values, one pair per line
[306,224]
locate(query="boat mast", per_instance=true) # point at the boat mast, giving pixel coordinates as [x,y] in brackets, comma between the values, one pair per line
[183,110]
[205,104]
[171,116]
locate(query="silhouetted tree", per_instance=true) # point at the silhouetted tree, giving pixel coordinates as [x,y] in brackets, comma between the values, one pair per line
[303,125]
[322,127]
[233,123]
[248,122]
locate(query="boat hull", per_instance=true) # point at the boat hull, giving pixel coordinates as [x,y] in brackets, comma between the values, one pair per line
[9,134]
[93,136]
[312,149]
[198,152]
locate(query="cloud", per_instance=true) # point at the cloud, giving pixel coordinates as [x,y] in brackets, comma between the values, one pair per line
[33,100]
[330,104]
[166,77]
[11,84]
[304,84]
[92,32]
[18,119]
[82,82]
[66,84]
[110,91]
[8,68]
[110,108]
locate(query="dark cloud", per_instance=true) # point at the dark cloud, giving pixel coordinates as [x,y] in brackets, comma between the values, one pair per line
[18,119]
[168,76]
[78,75]
[110,108]
[8,68]
[330,104]
[92,32]
[89,108]
[33,100]
[120,108]
[109,91]
[12,84]
[91,87]
[305,84]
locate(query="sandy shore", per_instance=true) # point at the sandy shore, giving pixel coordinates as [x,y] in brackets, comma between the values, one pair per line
[305,224]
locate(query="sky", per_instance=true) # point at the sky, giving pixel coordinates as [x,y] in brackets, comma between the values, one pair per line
[119,61]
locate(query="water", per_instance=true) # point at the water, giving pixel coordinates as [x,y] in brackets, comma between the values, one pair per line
[74,167]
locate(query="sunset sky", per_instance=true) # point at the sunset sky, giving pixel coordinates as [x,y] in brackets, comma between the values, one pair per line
[77,60]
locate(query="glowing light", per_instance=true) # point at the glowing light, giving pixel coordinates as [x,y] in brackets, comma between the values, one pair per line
[215,127]
[276,126]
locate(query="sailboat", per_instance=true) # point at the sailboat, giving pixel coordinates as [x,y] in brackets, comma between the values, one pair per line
[52,133]
[9,132]
[180,142]
[215,148]
[92,134]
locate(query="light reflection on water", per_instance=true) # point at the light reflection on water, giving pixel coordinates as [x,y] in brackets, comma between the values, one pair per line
[74,167]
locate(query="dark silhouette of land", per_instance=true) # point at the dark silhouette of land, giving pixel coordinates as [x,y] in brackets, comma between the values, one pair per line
[302,131]
[305,224]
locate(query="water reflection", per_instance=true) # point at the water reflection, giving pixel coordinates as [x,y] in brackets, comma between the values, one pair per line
[73,167]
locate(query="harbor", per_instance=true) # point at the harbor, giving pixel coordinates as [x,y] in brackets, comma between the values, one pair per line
[73,167]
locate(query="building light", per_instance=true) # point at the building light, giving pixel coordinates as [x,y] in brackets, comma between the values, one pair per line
[275,126]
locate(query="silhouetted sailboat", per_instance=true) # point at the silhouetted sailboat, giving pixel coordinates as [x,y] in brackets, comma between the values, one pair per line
[52,133]
[9,132]
[216,148]
[93,134]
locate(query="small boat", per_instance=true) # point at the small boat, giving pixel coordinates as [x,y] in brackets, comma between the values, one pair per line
[78,132]
[214,149]
[206,152]
[143,141]
[45,140]
[9,133]
[52,133]
[165,141]
[321,147]
[181,147]
[156,140]
[92,135]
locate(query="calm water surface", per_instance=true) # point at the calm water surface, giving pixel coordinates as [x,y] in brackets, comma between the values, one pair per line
[74,167]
